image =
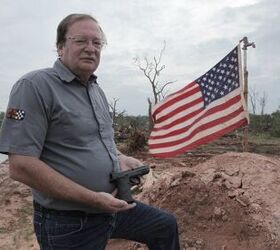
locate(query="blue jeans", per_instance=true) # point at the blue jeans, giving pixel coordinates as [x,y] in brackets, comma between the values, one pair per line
[63,230]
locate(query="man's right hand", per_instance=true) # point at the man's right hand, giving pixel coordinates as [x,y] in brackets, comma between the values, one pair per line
[107,202]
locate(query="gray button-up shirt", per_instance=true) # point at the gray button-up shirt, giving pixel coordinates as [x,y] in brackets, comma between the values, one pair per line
[52,116]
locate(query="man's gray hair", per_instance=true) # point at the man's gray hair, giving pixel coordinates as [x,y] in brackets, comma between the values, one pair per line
[63,26]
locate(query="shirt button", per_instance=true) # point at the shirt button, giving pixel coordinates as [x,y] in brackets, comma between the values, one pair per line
[101,128]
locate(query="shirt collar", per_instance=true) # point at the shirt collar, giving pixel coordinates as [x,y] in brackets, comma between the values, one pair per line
[67,75]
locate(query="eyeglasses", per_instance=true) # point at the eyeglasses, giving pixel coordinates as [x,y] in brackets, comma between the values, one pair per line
[84,41]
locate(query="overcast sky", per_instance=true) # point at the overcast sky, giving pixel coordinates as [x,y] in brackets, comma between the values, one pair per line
[198,33]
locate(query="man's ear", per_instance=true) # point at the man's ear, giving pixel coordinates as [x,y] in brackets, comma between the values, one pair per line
[60,49]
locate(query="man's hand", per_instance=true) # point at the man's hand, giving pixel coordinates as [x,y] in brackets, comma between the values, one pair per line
[127,162]
[107,202]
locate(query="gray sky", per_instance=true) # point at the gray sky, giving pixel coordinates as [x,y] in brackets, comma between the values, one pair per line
[198,33]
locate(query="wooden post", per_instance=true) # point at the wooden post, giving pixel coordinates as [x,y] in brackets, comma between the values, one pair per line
[246,44]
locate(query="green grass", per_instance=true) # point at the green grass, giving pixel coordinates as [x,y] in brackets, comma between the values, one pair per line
[264,139]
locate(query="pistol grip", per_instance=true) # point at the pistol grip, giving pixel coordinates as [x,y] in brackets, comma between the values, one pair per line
[124,192]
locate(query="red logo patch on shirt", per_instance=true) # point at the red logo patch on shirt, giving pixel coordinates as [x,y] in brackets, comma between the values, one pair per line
[16,114]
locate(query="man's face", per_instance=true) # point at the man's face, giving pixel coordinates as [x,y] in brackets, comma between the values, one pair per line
[81,50]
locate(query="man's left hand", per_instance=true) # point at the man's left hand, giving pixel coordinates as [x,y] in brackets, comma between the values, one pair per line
[128,162]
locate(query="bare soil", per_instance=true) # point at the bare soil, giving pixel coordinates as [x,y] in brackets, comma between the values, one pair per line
[16,231]
[222,201]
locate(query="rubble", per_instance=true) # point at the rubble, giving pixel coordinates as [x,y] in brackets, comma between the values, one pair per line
[228,202]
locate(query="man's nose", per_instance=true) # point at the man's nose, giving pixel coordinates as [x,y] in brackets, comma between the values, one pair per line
[90,46]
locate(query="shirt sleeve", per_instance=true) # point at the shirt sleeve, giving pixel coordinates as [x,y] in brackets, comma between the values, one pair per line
[25,124]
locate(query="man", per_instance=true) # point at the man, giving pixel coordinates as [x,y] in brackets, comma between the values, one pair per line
[59,137]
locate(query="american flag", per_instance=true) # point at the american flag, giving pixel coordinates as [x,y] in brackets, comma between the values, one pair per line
[202,111]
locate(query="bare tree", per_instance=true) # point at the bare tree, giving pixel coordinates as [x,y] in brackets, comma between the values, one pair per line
[253,96]
[152,69]
[263,100]
[114,110]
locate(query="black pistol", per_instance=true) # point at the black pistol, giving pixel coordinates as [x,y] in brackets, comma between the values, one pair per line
[125,179]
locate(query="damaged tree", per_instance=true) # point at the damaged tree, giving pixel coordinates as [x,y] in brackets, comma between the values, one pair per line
[114,111]
[152,69]
[253,96]
[263,101]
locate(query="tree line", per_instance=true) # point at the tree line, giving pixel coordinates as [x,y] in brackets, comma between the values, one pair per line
[125,125]
[265,124]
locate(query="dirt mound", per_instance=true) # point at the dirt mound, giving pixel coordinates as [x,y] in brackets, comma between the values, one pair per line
[228,202]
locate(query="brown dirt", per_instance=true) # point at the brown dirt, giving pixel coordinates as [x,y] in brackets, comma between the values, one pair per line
[16,231]
[222,202]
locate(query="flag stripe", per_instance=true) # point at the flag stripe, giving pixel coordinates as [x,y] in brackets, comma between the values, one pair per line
[183,89]
[182,116]
[173,95]
[197,136]
[202,140]
[180,122]
[181,108]
[186,103]
[194,88]
[225,108]
[191,113]
[203,125]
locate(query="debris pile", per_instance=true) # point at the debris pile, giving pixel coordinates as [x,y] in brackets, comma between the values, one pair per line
[228,202]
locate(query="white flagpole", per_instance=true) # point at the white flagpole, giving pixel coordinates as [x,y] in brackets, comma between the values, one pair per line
[246,44]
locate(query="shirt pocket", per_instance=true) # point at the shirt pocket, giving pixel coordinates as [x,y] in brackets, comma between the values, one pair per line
[77,127]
